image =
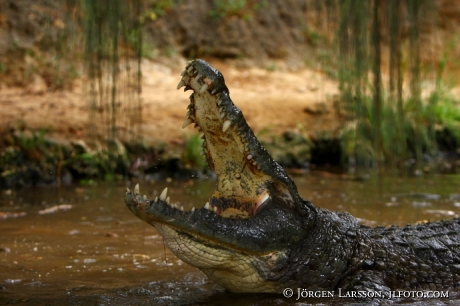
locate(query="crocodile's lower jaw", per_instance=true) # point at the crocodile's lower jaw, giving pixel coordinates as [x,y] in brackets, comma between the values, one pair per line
[230,269]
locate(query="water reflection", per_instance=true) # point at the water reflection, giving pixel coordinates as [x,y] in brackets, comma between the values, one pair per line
[82,246]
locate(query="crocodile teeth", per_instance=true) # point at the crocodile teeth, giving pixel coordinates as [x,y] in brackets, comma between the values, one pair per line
[163,194]
[193,209]
[261,200]
[136,189]
[128,191]
[222,115]
[144,197]
[226,125]
[187,122]
[249,157]
[197,78]
[213,91]
[190,69]
[215,209]
[167,201]
[188,113]
[156,200]
[204,88]
[206,206]
[202,153]
[181,84]
[183,73]
[182,208]
[175,205]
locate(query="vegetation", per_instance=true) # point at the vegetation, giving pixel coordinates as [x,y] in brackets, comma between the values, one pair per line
[192,155]
[244,9]
[386,123]
[113,37]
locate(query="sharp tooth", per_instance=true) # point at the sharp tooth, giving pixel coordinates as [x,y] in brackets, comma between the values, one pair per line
[163,194]
[202,153]
[261,200]
[175,205]
[222,115]
[214,91]
[145,197]
[204,88]
[182,208]
[156,199]
[198,76]
[167,200]
[254,163]
[129,191]
[190,69]
[206,206]
[181,83]
[187,122]
[249,157]
[193,209]
[215,209]
[183,73]
[226,125]
[136,189]
[202,137]
[188,113]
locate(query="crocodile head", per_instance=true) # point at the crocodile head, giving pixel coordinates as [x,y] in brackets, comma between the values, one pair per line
[241,238]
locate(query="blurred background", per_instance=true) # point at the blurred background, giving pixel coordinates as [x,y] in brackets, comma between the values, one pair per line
[358,100]
[88,87]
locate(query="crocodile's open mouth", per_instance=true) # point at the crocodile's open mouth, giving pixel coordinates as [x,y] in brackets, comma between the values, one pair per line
[242,232]
[247,175]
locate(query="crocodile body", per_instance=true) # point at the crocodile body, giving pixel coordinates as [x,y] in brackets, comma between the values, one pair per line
[256,234]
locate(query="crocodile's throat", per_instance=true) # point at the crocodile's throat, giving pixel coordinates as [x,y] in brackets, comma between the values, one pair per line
[231,149]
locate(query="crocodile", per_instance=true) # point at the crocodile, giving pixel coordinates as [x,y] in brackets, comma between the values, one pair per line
[256,234]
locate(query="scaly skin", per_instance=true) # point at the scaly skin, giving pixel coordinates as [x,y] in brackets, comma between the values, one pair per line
[256,234]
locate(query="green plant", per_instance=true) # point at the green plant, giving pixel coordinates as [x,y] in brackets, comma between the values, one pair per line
[244,9]
[192,154]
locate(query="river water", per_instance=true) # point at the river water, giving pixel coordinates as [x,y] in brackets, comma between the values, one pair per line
[90,250]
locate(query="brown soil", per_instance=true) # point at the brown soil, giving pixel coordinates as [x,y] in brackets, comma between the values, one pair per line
[276,100]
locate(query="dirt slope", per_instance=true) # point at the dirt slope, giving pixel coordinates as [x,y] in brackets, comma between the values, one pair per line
[275,100]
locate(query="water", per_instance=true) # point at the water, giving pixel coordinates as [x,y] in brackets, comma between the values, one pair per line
[93,251]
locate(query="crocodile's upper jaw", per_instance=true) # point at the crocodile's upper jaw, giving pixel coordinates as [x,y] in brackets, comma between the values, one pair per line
[231,149]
